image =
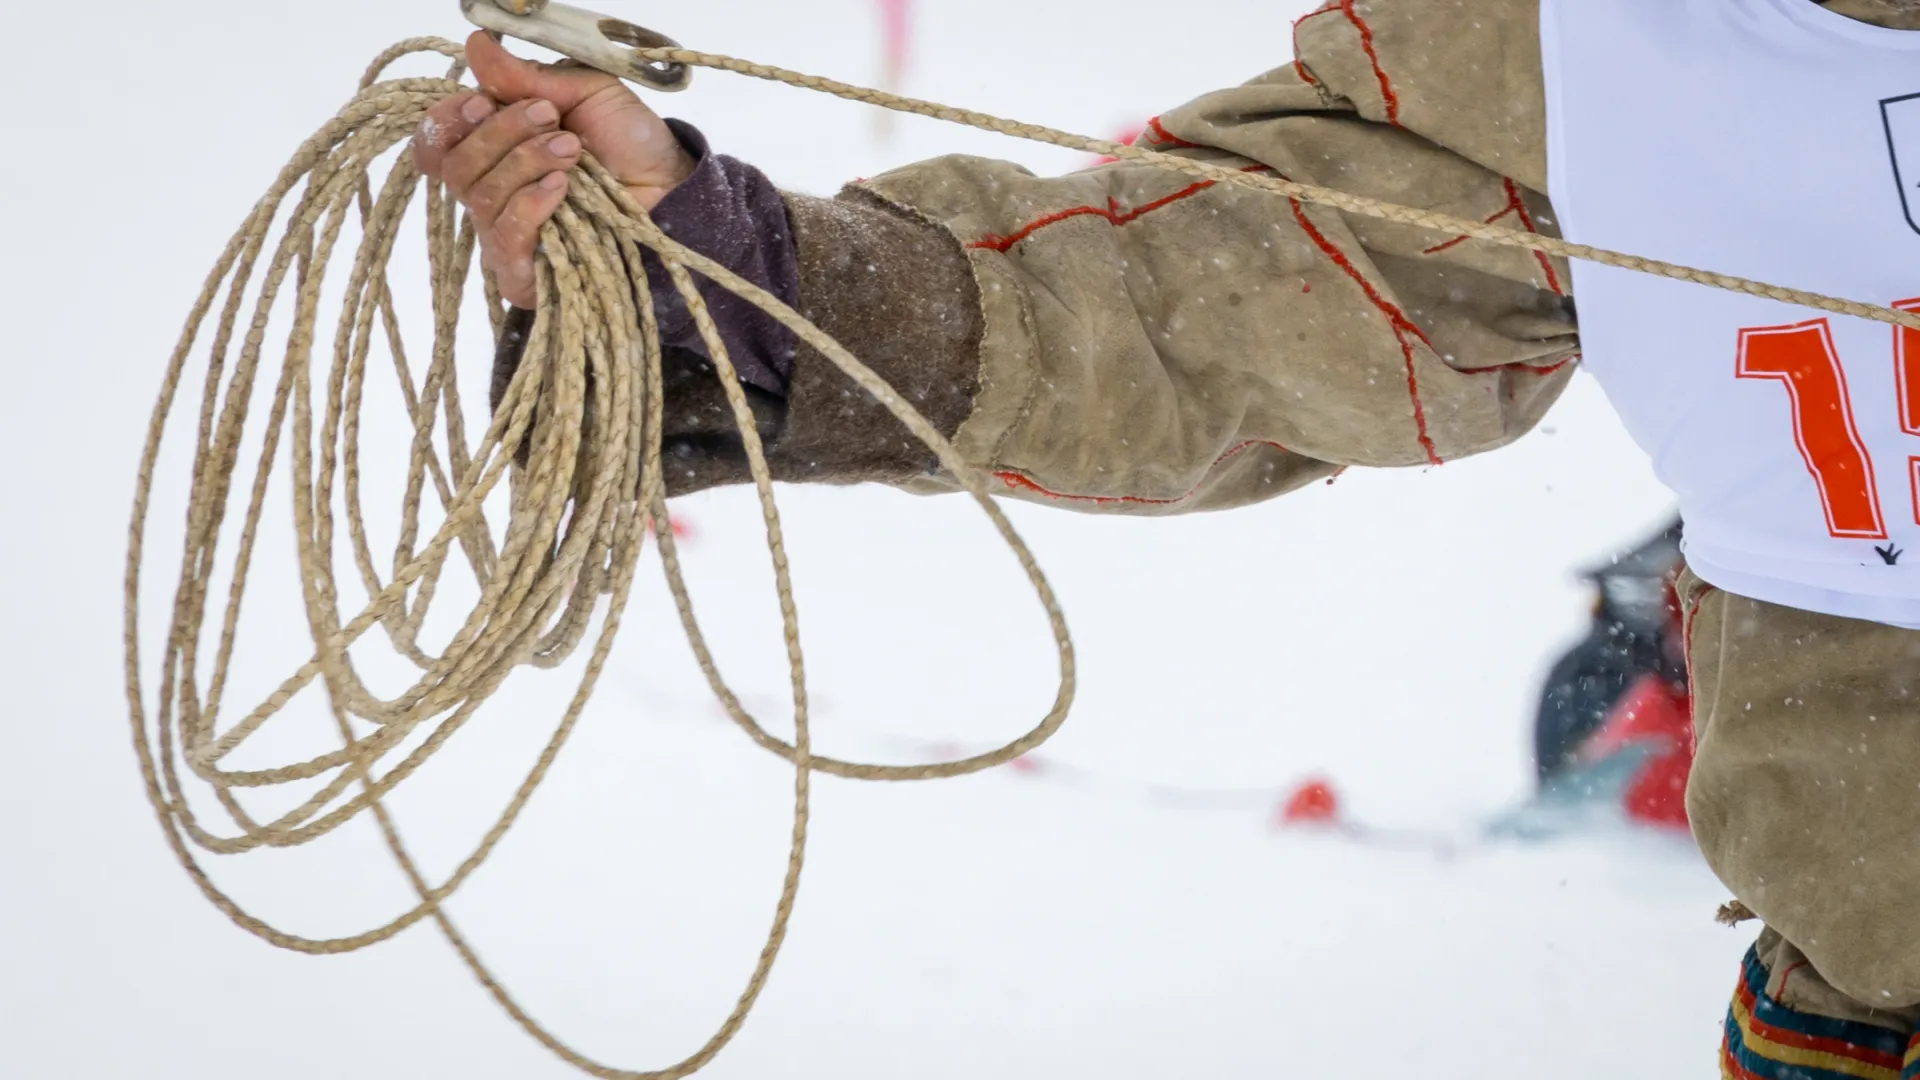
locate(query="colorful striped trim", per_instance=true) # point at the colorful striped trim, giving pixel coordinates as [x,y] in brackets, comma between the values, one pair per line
[1766,1040]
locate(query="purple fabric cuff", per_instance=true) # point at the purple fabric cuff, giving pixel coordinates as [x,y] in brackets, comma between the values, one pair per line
[731,213]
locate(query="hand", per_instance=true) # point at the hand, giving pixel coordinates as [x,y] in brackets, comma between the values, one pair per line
[505,153]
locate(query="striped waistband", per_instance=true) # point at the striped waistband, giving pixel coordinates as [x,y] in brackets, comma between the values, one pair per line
[1768,1041]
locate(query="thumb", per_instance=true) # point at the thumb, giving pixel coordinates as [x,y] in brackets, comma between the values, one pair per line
[507,78]
[629,138]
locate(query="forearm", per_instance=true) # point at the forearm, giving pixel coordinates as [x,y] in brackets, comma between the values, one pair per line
[840,262]
[1127,339]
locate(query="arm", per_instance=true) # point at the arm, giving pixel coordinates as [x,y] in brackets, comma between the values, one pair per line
[1123,339]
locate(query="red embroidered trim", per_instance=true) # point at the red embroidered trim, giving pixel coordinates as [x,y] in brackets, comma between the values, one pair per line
[1404,330]
[1516,205]
[1366,42]
[1163,137]
[1111,212]
[1526,218]
[1686,647]
[1298,67]
[1788,974]
[1396,319]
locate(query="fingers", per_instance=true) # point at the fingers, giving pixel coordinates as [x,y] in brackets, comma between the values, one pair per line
[510,242]
[487,198]
[505,153]
[493,140]
[509,168]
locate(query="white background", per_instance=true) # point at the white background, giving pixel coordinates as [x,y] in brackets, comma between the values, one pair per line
[1388,631]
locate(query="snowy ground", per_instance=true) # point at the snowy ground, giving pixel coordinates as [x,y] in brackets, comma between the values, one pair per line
[1387,632]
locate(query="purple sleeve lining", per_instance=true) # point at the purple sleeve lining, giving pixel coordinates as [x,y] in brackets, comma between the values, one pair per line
[730,212]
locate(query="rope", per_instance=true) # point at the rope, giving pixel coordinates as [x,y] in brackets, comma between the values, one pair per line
[1307,193]
[591,489]
[589,397]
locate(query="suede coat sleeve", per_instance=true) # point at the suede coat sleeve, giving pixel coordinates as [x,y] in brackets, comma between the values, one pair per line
[1142,343]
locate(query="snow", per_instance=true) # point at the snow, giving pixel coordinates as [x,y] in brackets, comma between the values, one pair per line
[1387,632]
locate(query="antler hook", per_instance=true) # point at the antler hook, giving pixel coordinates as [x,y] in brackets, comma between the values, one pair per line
[589,38]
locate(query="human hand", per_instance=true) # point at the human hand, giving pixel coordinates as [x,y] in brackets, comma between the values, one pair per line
[505,152]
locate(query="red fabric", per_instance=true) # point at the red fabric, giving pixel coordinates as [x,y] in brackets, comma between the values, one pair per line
[1313,803]
[1653,710]
[1129,136]
[897,32]
[1387,93]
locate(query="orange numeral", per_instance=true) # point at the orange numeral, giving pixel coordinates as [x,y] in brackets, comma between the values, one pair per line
[1803,357]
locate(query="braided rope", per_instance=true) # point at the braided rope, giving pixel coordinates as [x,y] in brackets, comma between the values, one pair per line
[592,487]
[1307,193]
[589,397]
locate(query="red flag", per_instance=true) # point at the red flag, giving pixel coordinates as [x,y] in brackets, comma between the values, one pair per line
[1312,803]
[896,37]
[896,25]
[1128,135]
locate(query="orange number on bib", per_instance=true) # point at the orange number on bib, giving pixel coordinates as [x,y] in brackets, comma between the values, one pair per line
[1906,368]
[1803,357]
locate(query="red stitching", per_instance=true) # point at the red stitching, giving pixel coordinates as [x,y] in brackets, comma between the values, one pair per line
[1166,138]
[1366,42]
[1516,204]
[1458,240]
[1396,319]
[1784,976]
[1111,212]
[1020,480]
[1298,66]
[1526,218]
[1691,621]
[1004,244]
[1137,213]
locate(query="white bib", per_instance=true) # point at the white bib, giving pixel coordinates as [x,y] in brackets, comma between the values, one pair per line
[1775,140]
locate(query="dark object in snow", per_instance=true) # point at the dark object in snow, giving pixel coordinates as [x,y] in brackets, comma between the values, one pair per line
[1614,734]
[1635,633]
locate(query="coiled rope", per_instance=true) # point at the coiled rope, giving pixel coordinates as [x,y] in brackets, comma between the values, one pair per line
[588,401]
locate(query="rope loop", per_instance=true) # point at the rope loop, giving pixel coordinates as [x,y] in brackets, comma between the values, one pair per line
[588,401]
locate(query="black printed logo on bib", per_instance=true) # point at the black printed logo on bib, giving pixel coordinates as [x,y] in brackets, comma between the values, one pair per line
[1902,118]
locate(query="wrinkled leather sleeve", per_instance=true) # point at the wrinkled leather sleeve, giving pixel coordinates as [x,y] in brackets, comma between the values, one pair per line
[1135,342]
